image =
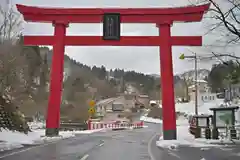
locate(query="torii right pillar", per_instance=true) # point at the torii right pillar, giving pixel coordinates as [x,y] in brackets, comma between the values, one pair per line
[168,100]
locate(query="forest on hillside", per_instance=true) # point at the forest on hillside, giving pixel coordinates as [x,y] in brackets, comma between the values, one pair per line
[223,75]
[26,81]
[115,78]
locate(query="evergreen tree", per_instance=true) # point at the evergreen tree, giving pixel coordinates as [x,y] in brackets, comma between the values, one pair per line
[224,74]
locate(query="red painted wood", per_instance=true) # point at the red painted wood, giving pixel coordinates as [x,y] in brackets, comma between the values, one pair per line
[128,15]
[123,11]
[124,19]
[56,77]
[125,41]
[168,98]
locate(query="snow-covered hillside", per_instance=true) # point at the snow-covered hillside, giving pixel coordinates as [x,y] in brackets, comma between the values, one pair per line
[190,75]
[189,108]
[202,73]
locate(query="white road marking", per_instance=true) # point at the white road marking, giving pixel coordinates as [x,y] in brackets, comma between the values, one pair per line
[101,144]
[84,157]
[151,154]
[24,150]
[226,149]
[149,147]
[229,150]
[173,154]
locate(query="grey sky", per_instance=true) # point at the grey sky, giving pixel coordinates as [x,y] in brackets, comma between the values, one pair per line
[141,59]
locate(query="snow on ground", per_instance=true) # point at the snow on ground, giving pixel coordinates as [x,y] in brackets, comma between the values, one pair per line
[150,119]
[184,138]
[36,125]
[203,108]
[145,118]
[10,140]
[187,108]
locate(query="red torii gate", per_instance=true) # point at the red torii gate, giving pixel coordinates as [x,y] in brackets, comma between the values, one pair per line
[162,17]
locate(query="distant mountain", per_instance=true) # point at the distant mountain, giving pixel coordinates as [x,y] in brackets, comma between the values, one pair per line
[189,75]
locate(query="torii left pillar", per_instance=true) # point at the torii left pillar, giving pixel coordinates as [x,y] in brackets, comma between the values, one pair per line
[56,75]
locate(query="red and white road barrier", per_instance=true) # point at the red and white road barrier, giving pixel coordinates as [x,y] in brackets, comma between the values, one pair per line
[113,125]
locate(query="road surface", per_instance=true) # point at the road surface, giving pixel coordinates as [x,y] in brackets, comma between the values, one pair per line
[108,145]
[198,153]
[138,144]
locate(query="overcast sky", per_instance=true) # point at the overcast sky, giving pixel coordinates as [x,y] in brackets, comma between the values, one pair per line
[140,59]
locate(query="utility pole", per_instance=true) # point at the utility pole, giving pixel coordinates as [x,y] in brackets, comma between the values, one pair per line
[182,57]
[196,84]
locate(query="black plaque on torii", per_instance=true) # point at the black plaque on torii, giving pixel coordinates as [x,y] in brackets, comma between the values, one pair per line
[111,26]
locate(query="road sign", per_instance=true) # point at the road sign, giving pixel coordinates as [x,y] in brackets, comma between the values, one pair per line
[182,56]
[92,103]
[91,110]
[111,26]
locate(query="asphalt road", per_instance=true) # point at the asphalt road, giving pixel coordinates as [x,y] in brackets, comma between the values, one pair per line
[206,153]
[138,144]
[108,145]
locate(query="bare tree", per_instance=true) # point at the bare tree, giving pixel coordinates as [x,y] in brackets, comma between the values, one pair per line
[12,70]
[223,22]
[10,22]
[227,17]
[224,15]
[11,63]
[19,65]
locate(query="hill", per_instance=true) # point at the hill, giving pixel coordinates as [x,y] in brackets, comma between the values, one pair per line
[82,82]
[182,81]
[190,75]
[25,75]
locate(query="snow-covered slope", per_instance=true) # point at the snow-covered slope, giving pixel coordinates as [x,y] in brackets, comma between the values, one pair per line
[189,108]
[190,75]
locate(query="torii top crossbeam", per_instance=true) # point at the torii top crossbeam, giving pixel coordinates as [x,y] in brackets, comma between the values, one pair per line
[128,15]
